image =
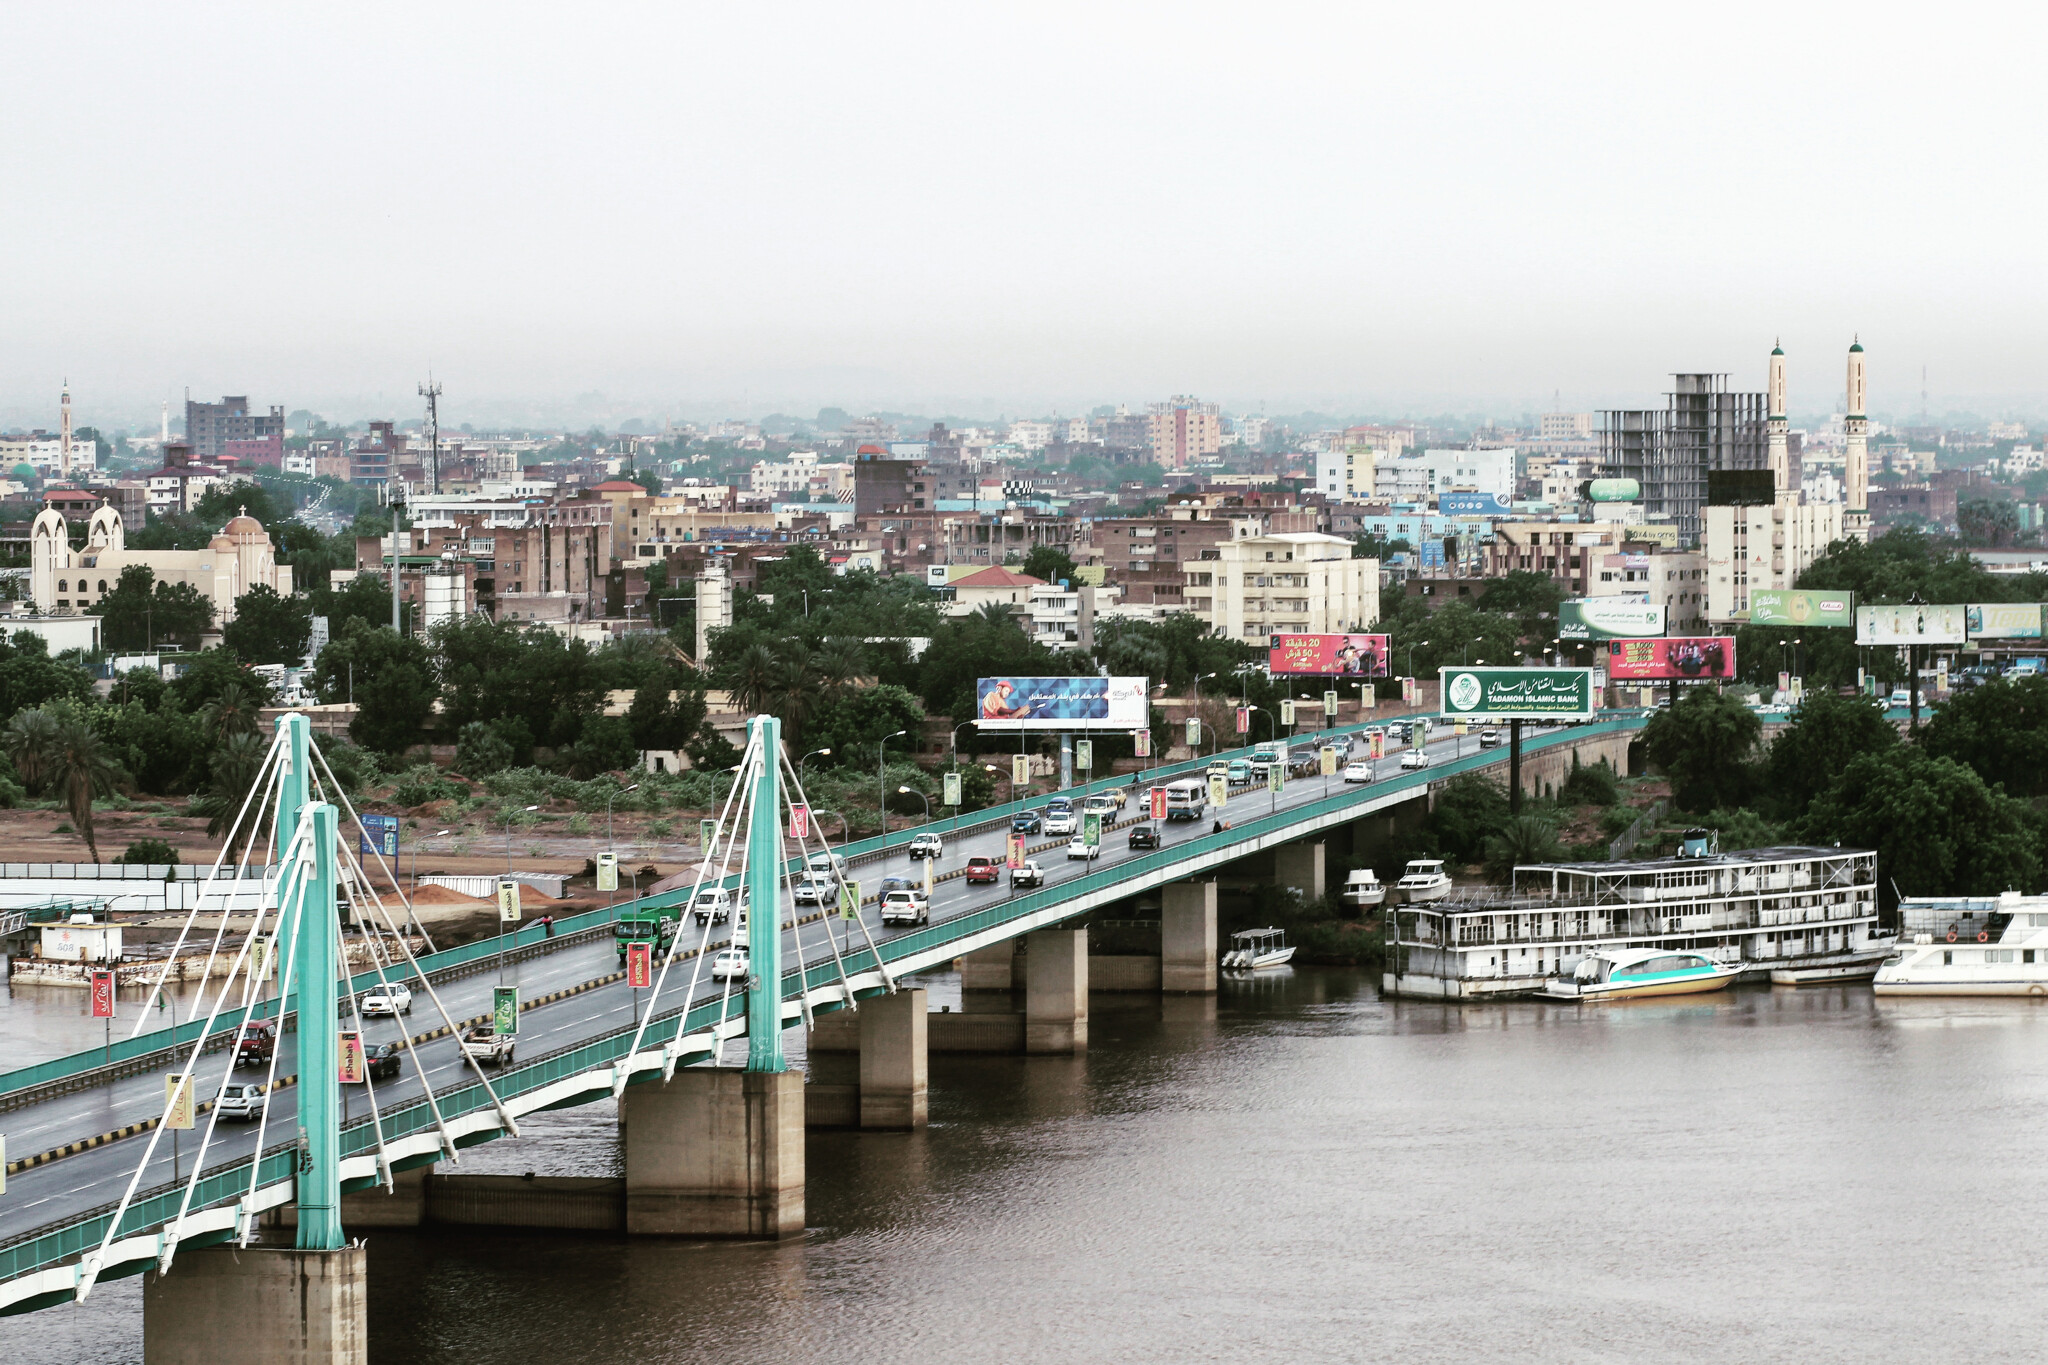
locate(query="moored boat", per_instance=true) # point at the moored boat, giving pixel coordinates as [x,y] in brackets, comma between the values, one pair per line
[1633,973]
[1253,949]
[1861,965]
[1424,880]
[1362,889]
[1973,946]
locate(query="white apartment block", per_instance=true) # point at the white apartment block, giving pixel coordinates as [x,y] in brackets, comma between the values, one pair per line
[801,474]
[1251,431]
[1294,581]
[45,453]
[1762,547]
[1412,477]
[1031,435]
[1565,426]
[1346,474]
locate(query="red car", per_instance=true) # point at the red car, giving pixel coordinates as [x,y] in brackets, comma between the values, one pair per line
[983,870]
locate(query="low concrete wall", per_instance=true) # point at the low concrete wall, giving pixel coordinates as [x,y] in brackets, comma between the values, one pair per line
[1133,972]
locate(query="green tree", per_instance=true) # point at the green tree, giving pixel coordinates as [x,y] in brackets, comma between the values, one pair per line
[480,750]
[213,671]
[231,774]
[30,677]
[667,710]
[1523,839]
[490,669]
[390,678]
[1051,563]
[163,749]
[268,628]
[149,853]
[1939,829]
[1827,732]
[1470,809]
[1705,743]
[62,754]
[1988,522]
[852,725]
[2000,730]
[140,613]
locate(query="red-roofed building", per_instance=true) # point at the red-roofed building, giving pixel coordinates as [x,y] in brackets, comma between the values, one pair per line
[1005,587]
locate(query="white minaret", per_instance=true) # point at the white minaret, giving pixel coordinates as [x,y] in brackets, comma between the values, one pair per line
[1856,470]
[1780,460]
[64,433]
[163,427]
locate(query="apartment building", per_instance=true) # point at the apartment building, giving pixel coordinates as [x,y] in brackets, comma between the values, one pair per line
[1147,557]
[227,429]
[1253,586]
[1182,430]
[1767,546]
[1346,475]
[1571,553]
[517,559]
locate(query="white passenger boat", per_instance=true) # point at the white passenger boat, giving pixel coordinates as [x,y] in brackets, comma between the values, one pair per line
[1860,965]
[1362,889]
[1631,973]
[1424,880]
[1969,946]
[1253,949]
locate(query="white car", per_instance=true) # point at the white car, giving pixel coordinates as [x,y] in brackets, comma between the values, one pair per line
[815,888]
[387,1000]
[730,964]
[1902,697]
[1027,873]
[714,905]
[1059,822]
[1415,758]
[241,1100]
[905,907]
[1358,772]
[1079,847]
[927,846]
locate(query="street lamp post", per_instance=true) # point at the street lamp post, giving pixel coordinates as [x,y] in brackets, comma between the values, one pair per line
[954,742]
[912,791]
[882,783]
[508,872]
[815,753]
[1411,655]
[611,843]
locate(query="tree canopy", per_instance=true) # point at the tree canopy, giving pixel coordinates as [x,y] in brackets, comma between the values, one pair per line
[1705,742]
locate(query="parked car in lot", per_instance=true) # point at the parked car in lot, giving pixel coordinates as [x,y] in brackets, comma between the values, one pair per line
[1078,847]
[1145,836]
[927,846]
[1027,873]
[382,1060]
[389,999]
[1357,772]
[487,1045]
[1415,758]
[983,871]
[1027,822]
[906,907]
[1059,822]
[257,1045]
[241,1101]
[730,964]
[1491,739]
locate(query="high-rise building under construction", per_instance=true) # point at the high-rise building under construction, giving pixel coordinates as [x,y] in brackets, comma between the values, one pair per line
[1702,427]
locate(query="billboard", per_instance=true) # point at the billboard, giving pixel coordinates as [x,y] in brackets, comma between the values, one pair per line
[1471,505]
[1608,618]
[1910,625]
[1060,703]
[2003,620]
[1741,487]
[1517,693]
[1679,657]
[381,828]
[1800,607]
[1330,656]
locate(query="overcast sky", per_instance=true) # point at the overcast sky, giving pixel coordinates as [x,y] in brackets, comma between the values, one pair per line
[699,210]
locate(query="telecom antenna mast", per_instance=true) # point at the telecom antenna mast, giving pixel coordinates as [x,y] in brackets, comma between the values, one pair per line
[431,391]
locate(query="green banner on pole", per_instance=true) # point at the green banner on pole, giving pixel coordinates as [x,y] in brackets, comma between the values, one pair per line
[952,789]
[505,1009]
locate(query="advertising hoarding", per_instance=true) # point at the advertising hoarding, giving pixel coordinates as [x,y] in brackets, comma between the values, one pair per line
[1469,504]
[607,871]
[383,830]
[1911,625]
[350,1063]
[1194,731]
[849,899]
[1671,657]
[639,965]
[1517,693]
[1059,703]
[179,1096]
[1286,711]
[1801,607]
[1219,790]
[1608,618]
[103,995]
[952,794]
[1141,744]
[1084,754]
[1330,656]
[2004,620]
[508,901]
[1157,797]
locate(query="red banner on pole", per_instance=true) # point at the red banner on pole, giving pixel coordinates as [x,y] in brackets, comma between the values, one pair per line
[102,995]
[639,965]
[1244,720]
[1158,795]
[799,822]
[351,1058]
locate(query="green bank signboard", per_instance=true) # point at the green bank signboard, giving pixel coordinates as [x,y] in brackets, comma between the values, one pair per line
[1517,693]
[1798,607]
[1608,618]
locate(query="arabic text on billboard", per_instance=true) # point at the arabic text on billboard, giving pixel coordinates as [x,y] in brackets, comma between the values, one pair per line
[1910,625]
[1603,618]
[1678,657]
[2004,620]
[1801,607]
[1330,656]
[1059,703]
[1509,693]
[1471,505]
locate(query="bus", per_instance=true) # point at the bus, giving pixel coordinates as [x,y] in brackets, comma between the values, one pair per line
[1187,799]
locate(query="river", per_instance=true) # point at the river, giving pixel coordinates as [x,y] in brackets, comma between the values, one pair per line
[1302,1171]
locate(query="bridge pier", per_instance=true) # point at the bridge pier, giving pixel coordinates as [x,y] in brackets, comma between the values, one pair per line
[1056,991]
[1187,938]
[989,969]
[893,1061]
[1300,865]
[226,1306]
[716,1152]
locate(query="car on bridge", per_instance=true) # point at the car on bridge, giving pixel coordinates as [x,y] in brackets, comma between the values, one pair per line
[1027,822]
[927,846]
[1357,772]
[1491,739]
[1079,847]
[1145,836]
[1059,822]
[388,999]
[826,862]
[1415,758]
[1120,795]
[714,904]
[257,1045]
[381,1060]
[241,1100]
[1239,772]
[815,888]
[983,871]
[1099,804]
[730,964]
[907,906]
[486,1045]
[1027,873]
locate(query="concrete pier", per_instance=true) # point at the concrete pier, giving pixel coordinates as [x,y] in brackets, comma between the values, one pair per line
[263,1306]
[1300,865]
[1187,938]
[716,1153]
[1056,991]
[893,1067]
[989,969]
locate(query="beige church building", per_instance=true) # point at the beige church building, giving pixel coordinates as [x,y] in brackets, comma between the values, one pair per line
[63,580]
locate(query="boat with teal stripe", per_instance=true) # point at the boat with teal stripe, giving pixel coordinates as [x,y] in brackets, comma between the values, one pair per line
[1626,973]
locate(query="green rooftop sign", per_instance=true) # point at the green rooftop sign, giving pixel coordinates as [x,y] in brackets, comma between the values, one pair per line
[1517,693]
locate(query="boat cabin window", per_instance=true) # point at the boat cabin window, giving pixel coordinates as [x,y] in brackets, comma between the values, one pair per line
[1676,962]
[1998,954]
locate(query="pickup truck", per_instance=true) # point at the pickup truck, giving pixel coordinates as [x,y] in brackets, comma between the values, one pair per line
[906,907]
[1027,873]
[487,1045]
[387,999]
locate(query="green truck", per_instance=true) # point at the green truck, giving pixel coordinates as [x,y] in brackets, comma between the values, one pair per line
[656,926]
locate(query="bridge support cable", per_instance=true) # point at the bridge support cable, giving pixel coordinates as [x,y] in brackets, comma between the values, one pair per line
[369,1082]
[746,899]
[269,769]
[287,981]
[90,1267]
[722,833]
[796,785]
[448,1147]
[341,797]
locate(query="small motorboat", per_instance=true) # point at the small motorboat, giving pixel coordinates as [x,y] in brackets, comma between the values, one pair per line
[1424,880]
[1362,889]
[1253,949]
[1629,973]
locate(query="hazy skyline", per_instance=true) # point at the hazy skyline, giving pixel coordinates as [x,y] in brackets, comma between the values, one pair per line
[698,212]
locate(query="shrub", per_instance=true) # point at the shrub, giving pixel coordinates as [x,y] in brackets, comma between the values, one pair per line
[480,750]
[1594,786]
[145,852]
[422,783]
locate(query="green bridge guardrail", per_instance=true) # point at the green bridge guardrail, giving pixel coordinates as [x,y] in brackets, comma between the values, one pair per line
[41,1248]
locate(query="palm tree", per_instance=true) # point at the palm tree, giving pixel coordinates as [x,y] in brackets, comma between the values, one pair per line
[232,773]
[839,664]
[232,712]
[80,768]
[29,742]
[754,679]
[997,614]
